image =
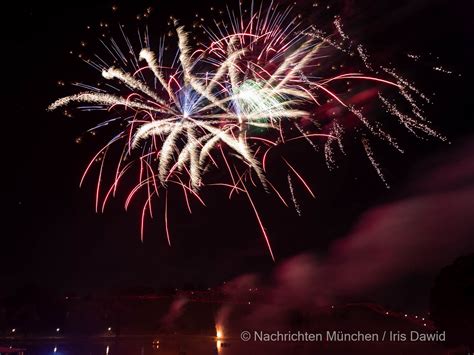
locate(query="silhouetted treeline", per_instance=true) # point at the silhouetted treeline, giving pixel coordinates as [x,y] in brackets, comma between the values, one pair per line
[34,310]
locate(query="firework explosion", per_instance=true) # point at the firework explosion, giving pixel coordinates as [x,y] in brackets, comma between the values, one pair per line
[229,101]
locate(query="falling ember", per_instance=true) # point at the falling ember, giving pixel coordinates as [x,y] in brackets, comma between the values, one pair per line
[373,161]
[251,84]
[293,197]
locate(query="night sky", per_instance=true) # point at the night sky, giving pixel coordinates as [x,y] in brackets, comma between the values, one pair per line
[51,234]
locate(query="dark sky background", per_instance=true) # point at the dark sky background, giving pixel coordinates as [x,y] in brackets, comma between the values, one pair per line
[50,234]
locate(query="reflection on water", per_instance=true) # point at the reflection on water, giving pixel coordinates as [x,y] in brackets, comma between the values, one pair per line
[164,346]
[190,345]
